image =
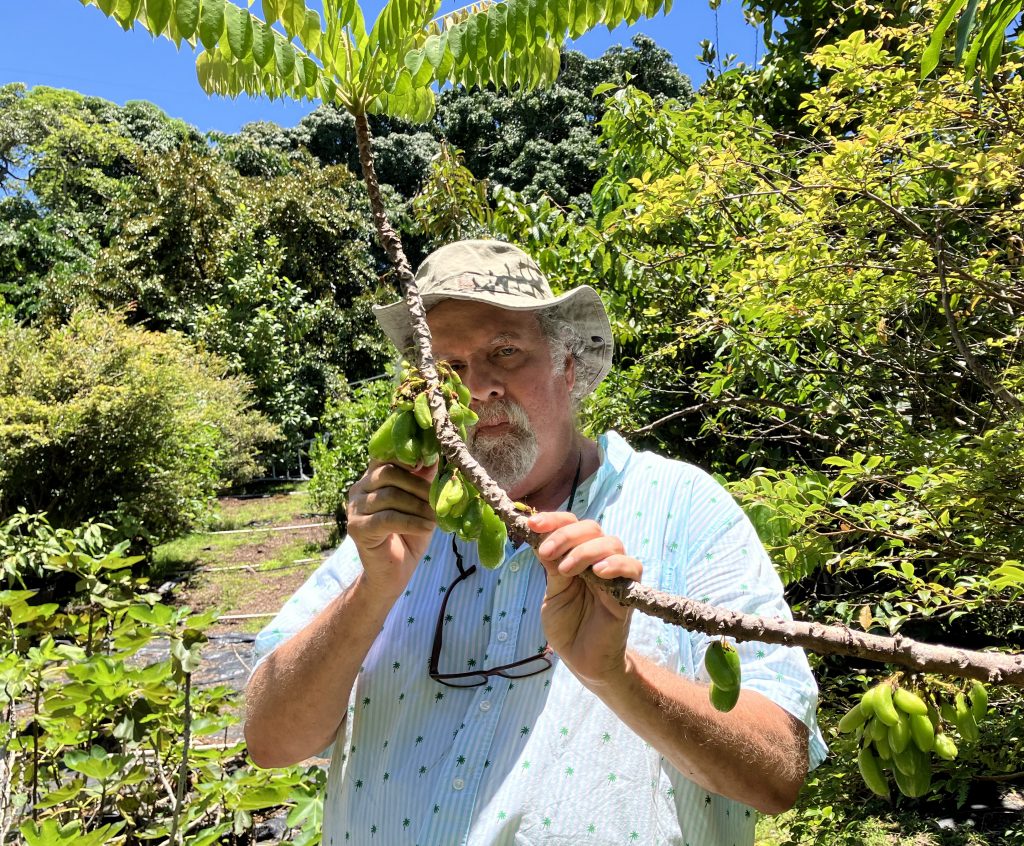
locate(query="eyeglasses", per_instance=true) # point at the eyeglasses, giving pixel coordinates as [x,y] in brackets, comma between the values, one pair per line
[516,670]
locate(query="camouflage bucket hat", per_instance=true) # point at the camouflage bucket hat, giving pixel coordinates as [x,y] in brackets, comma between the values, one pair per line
[502,275]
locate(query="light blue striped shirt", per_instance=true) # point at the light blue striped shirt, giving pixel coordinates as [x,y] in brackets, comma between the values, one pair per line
[540,760]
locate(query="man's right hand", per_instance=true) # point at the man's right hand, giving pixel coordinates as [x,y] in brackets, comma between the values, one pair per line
[390,520]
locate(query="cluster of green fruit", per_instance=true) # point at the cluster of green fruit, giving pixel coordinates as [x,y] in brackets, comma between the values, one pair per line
[408,436]
[899,731]
[722,663]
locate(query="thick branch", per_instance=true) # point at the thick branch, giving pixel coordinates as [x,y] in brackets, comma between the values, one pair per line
[694,616]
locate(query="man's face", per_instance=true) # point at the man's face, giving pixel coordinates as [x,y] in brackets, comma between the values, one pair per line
[526,421]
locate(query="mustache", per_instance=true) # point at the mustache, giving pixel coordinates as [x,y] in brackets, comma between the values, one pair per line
[503,410]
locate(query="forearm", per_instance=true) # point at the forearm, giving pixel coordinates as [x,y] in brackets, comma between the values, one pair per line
[756,753]
[297,699]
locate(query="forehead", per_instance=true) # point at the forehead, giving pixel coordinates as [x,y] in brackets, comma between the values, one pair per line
[457,325]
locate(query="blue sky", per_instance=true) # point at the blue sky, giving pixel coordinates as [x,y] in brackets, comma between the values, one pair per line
[63,44]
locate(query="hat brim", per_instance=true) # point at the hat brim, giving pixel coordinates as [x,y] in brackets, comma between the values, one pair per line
[581,307]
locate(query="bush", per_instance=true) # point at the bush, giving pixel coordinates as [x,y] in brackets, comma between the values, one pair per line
[100,738]
[339,455]
[98,419]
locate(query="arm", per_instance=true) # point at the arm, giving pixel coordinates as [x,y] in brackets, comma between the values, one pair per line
[756,753]
[297,698]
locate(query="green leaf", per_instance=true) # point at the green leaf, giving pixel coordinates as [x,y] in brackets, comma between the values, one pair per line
[284,56]
[211,23]
[310,72]
[497,33]
[293,16]
[963,29]
[271,11]
[158,13]
[186,14]
[312,31]
[106,6]
[263,44]
[930,57]
[239,26]
[256,798]
[434,49]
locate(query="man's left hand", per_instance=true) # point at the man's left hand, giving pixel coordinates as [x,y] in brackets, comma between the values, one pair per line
[586,627]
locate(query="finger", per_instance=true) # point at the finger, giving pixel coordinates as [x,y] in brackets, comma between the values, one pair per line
[547,521]
[563,539]
[376,529]
[380,475]
[588,553]
[395,499]
[619,566]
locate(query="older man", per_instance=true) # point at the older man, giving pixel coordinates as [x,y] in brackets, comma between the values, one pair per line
[519,705]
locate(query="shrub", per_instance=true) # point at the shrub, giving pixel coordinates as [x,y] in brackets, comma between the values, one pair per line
[339,455]
[99,419]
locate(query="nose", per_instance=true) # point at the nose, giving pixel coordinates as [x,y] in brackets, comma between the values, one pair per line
[484,381]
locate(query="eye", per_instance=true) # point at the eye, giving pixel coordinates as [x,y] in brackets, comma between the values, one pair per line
[505,352]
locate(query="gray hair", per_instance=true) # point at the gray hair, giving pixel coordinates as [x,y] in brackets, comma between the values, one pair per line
[565,342]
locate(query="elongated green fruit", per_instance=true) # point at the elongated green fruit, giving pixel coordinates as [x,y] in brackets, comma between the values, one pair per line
[871,772]
[979,700]
[440,479]
[882,746]
[965,722]
[404,435]
[945,747]
[852,719]
[914,784]
[876,729]
[431,448]
[491,544]
[421,409]
[908,701]
[906,761]
[450,494]
[469,493]
[723,698]
[382,445]
[948,712]
[722,662]
[884,709]
[465,397]
[899,734]
[922,731]
[867,701]
[473,520]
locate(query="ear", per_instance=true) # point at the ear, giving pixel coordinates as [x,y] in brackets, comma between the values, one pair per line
[570,372]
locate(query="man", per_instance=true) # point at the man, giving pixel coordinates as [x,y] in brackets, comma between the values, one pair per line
[519,705]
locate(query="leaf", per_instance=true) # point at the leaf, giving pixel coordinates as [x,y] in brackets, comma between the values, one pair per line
[271,11]
[186,15]
[434,48]
[497,33]
[312,30]
[284,55]
[963,29]
[930,57]
[310,72]
[211,23]
[158,13]
[293,16]
[239,26]
[263,44]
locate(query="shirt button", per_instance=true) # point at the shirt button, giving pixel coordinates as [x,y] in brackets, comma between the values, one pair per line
[485,706]
[502,636]
[514,566]
[458,784]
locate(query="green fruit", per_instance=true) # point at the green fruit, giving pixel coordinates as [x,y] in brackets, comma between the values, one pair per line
[871,772]
[723,698]
[883,748]
[852,719]
[472,521]
[948,713]
[945,747]
[491,544]
[964,719]
[899,734]
[867,702]
[914,785]
[469,493]
[381,442]
[451,493]
[908,701]
[979,700]
[421,410]
[876,729]
[405,437]
[906,761]
[465,397]
[442,475]
[922,731]
[884,709]
[722,662]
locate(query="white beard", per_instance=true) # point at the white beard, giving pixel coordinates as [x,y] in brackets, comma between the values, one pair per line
[510,457]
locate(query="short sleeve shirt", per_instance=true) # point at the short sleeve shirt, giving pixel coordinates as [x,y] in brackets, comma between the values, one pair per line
[540,760]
